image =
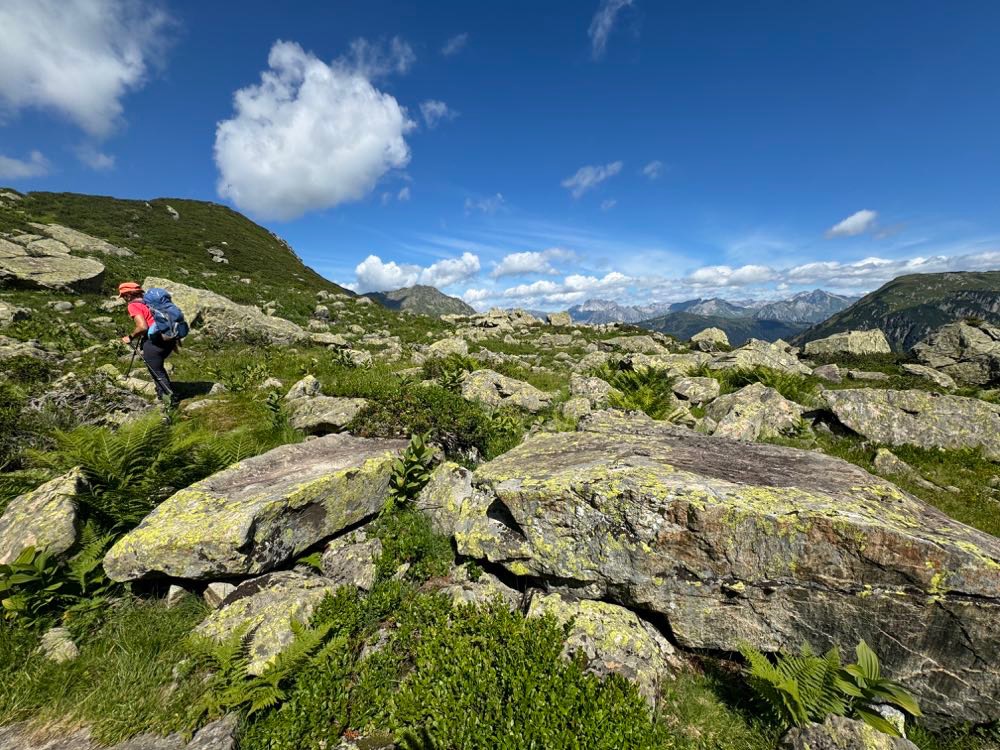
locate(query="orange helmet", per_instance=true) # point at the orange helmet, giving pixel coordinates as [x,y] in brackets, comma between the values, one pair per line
[127,288]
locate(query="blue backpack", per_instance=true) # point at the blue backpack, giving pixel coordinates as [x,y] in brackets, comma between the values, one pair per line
[168,320]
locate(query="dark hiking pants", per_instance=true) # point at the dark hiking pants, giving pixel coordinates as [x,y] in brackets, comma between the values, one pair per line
[154,352]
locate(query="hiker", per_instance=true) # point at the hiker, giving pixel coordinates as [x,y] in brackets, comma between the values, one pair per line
[154,347]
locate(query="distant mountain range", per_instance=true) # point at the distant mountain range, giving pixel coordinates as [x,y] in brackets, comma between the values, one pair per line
[423,300]
[684,325]
[910,307]
[805,307]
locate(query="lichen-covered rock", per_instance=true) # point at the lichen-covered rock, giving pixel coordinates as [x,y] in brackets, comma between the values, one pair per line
[757,353]
[696,390]
[915,417]
[308,386]
[10,348]
[493,389]
[217,735]
[841,733]
[444,347]
[321,415]
[334,340]
[595,390]
[576,407]
[634,344]
[674,365]
[929,373]
[612,639]
[265,606]
[47,264]
[351,559]
[871,341]
[830,373]
[738,542]
[260,512]
[969,353]
[710,340]
[485,589]
[217,592]
[753,412]
[868,375]
[44,518]
[559,319]
[11,314]
[79,241]
[221,318]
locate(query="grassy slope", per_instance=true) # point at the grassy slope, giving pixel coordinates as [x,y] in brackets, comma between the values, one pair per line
[178,249]
[909,307]
[425,300]
[685,325]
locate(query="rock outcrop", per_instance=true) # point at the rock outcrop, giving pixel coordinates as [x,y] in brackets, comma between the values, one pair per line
[756,353]
[264,607]
[220,317]
[753,412]
[44,518]
[920,418]
[31,262]
[966,352]
[850,342]
[929,373]
[259,513]
[218,735]
[840,733]
[494,390]
[742,542]
[710,340]
[321,415]
[351,559]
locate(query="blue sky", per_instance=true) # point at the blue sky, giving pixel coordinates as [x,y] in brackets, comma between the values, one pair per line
[534,153]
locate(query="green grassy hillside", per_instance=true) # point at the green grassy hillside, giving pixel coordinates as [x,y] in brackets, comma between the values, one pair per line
[685,325]
[910,307]
[178,248]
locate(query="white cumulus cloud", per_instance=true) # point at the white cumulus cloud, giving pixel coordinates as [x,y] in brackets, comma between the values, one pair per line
[78,57]
[517,264]
[455,45]
[857,223]
[602,23]
[309,136]
[589,177]
[375,275]
[653,170]
[435,111]
[722,276]
[36,165]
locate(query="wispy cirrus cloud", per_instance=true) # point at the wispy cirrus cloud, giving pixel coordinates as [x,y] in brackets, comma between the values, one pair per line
[36,165]
[455,45]
[435,111]
[602,24]
[590,176]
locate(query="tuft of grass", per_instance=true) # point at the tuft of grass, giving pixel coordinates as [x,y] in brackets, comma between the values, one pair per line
[121,683]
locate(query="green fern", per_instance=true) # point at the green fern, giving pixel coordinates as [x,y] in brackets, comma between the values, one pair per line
[647,390]
[807,687]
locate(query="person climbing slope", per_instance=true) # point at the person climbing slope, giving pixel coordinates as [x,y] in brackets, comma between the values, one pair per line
[157,339]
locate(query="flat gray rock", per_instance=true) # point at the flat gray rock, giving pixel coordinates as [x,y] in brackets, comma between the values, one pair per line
[259,513]
[44,518]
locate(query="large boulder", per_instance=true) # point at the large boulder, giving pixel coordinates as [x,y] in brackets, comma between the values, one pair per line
[596,391]
[265,607]
[674,365]
[12,314]
[444,347]
[735,542]
[223,319]
[871,341]
[80,242]
[710,340]
[44,518]
[321,415]
[611,639]
[635,344]
[696,390]
[753,412]
[921,418]
[33,263]
[559,319]
[756,353]
[929,373]
[493,389]
[841,733]
[968,353]
[259,513]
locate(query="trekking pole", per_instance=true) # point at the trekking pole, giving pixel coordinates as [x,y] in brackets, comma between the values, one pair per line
[135,351]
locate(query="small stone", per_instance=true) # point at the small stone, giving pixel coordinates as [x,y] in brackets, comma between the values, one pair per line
[829,373]
[216,592]
[174,595]
[308,386]
[351,559]
[57,645]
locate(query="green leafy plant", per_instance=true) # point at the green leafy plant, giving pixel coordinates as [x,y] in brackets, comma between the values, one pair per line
[807,687]
[411,471]
[231,687]
[31,586]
